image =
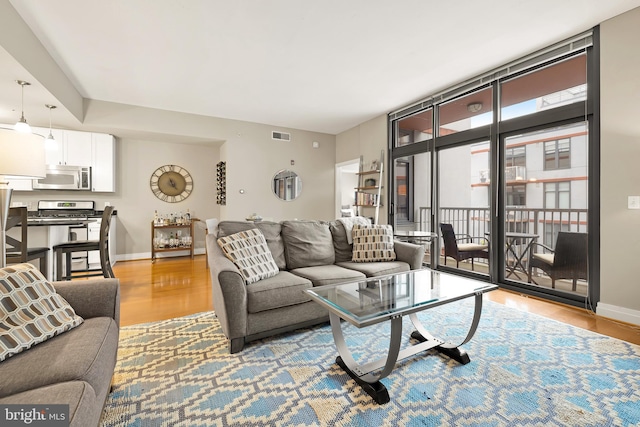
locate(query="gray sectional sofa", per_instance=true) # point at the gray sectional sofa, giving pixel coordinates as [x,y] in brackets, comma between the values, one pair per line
[308,253]
[74,368]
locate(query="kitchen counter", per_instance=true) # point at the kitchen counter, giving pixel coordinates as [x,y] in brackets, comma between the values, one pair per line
[47,222]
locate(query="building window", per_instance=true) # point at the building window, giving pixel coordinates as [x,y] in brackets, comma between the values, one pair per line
[557,154]
[516,195]
[557,195]
[515,156]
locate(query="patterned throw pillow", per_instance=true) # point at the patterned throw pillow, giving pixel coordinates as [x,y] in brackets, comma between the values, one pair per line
[372,243]
[249,252]
[30,310]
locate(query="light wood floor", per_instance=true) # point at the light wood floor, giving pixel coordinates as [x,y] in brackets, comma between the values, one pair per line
[174,287]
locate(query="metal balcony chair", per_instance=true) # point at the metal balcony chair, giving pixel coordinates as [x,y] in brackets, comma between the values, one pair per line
[466,249]
[63,251]
[567,261]
[18,250]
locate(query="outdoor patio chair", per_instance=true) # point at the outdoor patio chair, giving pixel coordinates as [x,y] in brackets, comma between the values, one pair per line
[567,261]
[462,247]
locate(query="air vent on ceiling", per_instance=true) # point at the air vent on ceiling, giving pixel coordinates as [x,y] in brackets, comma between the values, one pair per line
[280,136]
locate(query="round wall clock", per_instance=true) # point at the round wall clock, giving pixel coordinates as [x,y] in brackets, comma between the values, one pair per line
[171,183]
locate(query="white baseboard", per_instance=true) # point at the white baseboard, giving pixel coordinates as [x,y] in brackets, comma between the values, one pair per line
[147,255]
[618,313]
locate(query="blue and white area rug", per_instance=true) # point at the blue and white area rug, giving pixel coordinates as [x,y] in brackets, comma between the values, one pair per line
[525,370]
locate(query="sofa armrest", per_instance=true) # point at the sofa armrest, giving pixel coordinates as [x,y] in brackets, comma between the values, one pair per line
[229,291]
[410,253]
[92,298]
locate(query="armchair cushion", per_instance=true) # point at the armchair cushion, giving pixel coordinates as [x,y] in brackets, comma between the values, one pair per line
[249,252]
[373,243]
[464,247]
[32,311]
[546,258]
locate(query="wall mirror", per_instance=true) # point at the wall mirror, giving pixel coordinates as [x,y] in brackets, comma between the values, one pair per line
[286,185]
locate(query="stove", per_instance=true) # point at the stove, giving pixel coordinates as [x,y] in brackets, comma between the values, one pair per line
[61,210]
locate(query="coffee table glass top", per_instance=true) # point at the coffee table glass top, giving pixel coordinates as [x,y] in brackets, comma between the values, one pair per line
[376,299]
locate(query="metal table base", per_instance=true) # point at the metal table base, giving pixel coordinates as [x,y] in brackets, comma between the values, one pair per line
[364,374]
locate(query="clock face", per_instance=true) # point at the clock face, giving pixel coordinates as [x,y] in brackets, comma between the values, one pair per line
[171,183]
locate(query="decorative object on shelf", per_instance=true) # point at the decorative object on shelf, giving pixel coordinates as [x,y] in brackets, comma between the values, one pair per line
[254,217]
[221,183]
[364,198]
[171,183]
[172,232]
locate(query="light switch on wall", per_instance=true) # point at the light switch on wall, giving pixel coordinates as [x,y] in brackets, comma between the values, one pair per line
[633,202]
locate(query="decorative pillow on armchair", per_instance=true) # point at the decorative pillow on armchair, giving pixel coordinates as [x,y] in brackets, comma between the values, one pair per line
[249,252]
[30,310]
[372,243]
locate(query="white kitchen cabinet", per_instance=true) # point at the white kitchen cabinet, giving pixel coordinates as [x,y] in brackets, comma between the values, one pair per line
[103,176]
[20,184]
[73,148]
[77,148]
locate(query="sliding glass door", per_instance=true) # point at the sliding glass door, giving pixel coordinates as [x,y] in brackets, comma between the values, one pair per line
[463,214]
[502,171]
[546,205]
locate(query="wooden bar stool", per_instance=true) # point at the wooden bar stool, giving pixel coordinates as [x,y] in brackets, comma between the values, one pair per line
[64,251]
[18,250]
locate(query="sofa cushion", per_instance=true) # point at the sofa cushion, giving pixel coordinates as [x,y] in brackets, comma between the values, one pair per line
[84,407]
[249,252]
[342,248]
[86,353]
[373,243]
[271,231]
[328,274]
[30,310]
[374,269]
[307,244]
[282,290]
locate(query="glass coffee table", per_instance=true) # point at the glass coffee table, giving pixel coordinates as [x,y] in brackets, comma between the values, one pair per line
[390,298]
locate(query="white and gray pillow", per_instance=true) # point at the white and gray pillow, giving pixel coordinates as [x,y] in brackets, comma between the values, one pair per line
[30,310]
[372,243]
[248,250]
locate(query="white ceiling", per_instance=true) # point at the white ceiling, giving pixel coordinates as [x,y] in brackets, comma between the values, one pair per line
[323,66]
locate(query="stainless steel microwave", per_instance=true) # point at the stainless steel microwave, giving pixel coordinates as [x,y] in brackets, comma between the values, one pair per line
[63,177]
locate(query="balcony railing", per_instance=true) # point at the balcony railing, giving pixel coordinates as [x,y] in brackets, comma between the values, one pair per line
[475,221]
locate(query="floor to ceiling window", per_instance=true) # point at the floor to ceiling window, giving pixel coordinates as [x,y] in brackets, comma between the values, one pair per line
[508,172]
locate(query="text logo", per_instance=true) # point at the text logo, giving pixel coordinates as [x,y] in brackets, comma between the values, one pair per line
[34,415]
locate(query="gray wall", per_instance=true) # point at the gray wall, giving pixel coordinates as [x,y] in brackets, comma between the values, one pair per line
[620,153]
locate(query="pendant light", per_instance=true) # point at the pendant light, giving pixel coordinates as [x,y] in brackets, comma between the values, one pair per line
[50,144]
[22,125]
